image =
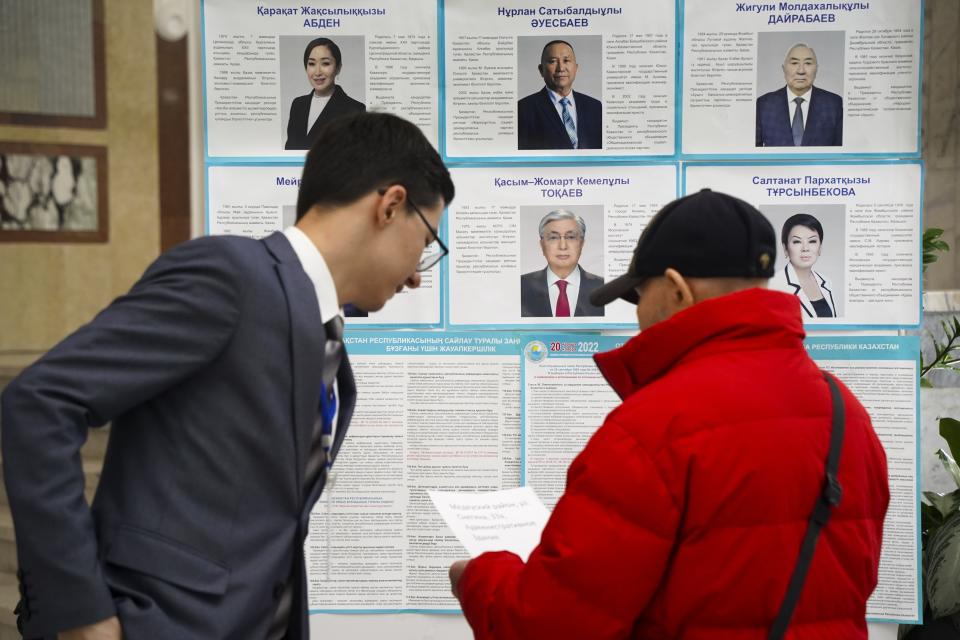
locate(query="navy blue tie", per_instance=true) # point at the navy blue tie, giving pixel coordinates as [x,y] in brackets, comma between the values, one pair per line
[797,123]
[322,439]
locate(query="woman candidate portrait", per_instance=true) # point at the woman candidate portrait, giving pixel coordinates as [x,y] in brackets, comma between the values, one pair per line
[322,62]
[802,240]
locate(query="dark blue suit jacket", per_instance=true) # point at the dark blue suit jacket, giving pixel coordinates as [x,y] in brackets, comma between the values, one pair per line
[535,298]
[209,370]
[539,125]
[824,124]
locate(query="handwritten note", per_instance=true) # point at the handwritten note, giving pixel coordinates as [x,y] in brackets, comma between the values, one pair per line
[509,520]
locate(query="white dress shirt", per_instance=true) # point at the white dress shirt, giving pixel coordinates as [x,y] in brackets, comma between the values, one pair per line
[317,105]
[319,274]
[573,289]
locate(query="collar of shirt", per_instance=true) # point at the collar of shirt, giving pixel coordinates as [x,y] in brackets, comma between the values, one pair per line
[573,289]
[573,279]
[318,272]
[317,105]
[555,98]
[806,97]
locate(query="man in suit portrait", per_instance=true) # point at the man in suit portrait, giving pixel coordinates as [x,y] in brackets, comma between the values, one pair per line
[557,117]
[229,391]
[800,114]
[562,288]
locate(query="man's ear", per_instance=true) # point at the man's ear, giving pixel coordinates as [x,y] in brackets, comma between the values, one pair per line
[389,204]
[681,295]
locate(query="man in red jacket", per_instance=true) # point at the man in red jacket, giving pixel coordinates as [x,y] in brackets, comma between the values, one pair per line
[683,516]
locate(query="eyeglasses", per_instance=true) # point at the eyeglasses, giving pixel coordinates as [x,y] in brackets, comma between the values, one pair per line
[554,238]
[433,252]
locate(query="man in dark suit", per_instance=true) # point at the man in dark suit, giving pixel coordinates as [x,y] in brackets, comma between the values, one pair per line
[557,117]
[800,114]
[224,375]
[561,289]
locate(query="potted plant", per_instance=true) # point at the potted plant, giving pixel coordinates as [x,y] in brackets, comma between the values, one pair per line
[940,512]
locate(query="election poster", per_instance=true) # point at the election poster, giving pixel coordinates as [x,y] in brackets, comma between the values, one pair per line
[558,80]
[848,235]
[274,73]
[801,78]
[528,245]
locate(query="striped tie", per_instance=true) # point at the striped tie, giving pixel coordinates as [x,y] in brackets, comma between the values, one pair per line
[568,122]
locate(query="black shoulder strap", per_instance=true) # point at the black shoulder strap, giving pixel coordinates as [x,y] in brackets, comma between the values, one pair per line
[828,498]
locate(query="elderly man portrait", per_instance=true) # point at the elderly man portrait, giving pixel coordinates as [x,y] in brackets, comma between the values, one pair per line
[800,114]
[562,288]
[557,117]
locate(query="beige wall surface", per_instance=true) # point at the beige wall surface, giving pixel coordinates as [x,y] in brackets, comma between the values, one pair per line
[49,289]
[941,127]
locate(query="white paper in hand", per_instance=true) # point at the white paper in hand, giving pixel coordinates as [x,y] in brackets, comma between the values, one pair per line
[509,520]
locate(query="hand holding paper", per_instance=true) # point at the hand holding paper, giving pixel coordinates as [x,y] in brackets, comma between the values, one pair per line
[509,520]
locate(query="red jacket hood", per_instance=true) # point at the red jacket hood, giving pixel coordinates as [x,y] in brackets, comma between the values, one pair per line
[730,322]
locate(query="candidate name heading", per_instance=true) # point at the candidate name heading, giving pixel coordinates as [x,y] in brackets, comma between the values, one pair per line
[320,17]
[801,12]
[549,17]
[560,187]
[810,186]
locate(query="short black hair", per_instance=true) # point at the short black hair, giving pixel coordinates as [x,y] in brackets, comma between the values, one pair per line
[802,220]
[362,152]
[322,42]
[543,52]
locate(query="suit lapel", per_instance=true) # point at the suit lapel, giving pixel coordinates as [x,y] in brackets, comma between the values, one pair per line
[789,274]
[549,114]
[783,114]
[582,295]
[543,295]
[584,121]
[811,125]
[828,293]
[307,338]
[347,397]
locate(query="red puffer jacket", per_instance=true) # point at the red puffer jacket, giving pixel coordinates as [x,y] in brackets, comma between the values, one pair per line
[683,516]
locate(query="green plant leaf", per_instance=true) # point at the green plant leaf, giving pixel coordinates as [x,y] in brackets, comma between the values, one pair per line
[942,582]
[926,384]
[950,431]
[946,503]
[950,465]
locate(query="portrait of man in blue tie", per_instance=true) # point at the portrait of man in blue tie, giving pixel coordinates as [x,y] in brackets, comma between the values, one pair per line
[800,114]
[561,289]
[557,117]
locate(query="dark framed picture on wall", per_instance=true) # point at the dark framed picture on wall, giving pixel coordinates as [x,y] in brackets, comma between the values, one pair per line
[53,71]
[53,193]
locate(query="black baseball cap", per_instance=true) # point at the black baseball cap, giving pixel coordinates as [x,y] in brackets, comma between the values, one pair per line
[707,234]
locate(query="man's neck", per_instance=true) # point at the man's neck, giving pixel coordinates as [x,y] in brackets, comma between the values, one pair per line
[562,274]
[335,235]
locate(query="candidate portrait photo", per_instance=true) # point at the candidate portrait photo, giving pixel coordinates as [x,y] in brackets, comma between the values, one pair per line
[561,256]
[800,78]
[559,78]
[320,79]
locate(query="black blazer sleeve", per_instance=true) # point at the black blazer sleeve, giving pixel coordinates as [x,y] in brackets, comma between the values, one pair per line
[297,123]
[177,318]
